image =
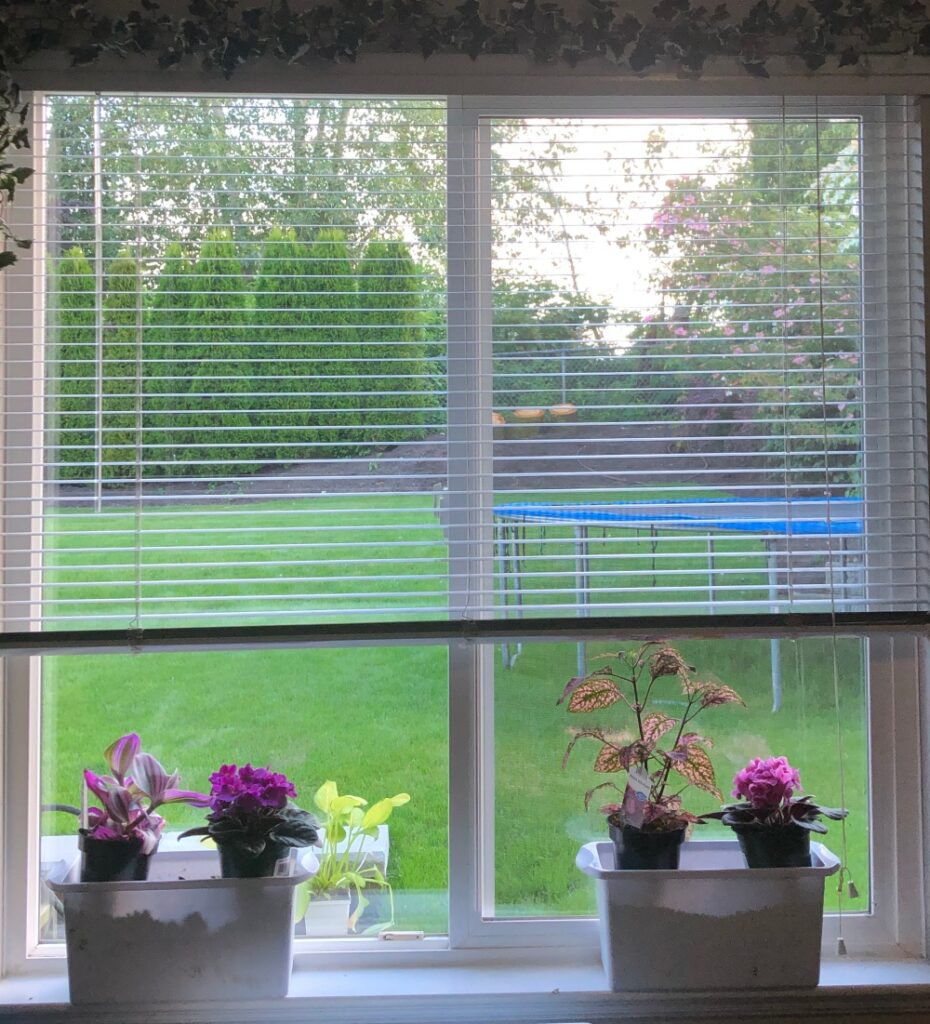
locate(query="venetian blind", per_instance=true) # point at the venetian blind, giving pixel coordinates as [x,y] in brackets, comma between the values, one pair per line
[353,360]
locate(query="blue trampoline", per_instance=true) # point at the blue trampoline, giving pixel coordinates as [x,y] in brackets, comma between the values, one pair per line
[770,519]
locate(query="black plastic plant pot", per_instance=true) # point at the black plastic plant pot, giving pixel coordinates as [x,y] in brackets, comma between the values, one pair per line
[637,850]
[113,860]
[236,862]
[786,847]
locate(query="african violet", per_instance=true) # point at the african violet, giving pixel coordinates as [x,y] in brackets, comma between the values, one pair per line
[252,820]
[767,787]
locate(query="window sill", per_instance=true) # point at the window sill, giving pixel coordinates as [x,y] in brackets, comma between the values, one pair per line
[524,993]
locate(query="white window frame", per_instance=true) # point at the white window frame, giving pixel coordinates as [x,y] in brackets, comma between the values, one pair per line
[897,661]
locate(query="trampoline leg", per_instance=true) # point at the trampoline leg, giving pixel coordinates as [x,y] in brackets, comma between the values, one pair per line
[581,589]
[502,584]
[773,644]
[776,676]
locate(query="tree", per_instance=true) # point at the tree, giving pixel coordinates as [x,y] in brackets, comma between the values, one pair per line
[759,276]
[546,347]
[329,359]
[285,301]
[392,344]
[166,352]
[213,368]
[72,376]
[121,374]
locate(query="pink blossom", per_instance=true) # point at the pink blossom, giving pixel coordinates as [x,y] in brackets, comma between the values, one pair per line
[799,360]
[737,351]
[768,783]
[729,331]
[768,269]
[681,331]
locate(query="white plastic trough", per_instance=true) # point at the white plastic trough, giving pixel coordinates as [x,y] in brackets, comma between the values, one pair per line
[183,934]
[712,924]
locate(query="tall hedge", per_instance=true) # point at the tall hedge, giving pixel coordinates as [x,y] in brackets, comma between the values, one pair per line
[284,298]
[121,300]
[213,370]
[392,344]
[71,400]
[165,349]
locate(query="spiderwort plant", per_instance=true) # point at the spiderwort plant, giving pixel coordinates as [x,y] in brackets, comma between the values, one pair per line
[252,820]
[118,837]
[137,785]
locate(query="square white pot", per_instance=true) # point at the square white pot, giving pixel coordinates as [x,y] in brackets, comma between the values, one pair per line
[184,934]
[327,919]
[712,924]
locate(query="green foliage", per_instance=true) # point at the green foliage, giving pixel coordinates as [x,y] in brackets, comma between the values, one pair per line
[122,324]
[166,342]
[281,341]
[546,346]
[760,280]
[330,353]
[71,401]
[213,369]
[392,344]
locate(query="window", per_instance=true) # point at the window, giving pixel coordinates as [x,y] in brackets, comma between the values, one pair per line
[344,431]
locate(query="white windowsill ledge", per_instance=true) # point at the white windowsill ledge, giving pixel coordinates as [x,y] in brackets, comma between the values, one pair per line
[873,990]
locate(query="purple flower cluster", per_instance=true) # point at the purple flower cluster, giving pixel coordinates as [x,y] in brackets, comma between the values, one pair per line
[767,783]
[248,790]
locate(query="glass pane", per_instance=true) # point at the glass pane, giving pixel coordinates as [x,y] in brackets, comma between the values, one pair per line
[540,820]
[245,405]
[374,720]
[678,365]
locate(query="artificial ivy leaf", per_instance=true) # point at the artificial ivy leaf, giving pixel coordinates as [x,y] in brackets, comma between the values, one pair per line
[668,10]
[594,695]
[756,68]
[83,55]
[849,56]
[697,768]
[7,259]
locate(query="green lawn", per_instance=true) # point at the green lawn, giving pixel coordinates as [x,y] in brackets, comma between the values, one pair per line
[375,719]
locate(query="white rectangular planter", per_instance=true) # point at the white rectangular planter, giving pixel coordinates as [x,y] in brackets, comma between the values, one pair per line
[327,918]
[713,923]
[184,934]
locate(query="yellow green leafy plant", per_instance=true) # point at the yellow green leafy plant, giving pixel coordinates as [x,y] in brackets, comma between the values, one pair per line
[345,866]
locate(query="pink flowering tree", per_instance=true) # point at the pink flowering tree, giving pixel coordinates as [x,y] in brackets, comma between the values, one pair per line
[747,254]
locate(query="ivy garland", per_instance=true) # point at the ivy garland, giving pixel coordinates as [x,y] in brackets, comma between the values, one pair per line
[679,35]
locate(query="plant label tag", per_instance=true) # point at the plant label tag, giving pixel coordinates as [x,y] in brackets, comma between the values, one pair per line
[282,868]
[635,796]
